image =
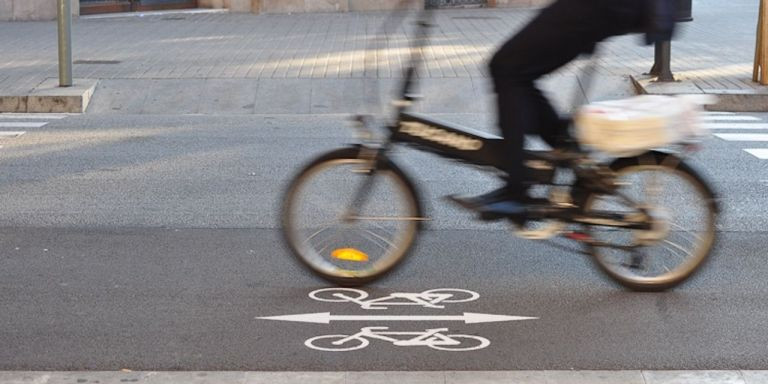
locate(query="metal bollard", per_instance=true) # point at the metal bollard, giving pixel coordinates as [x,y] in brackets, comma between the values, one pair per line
[661,65]
[65,43]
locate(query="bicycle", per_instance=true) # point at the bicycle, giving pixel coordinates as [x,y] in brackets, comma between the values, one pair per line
[432,298]
[589,199]
[432,338]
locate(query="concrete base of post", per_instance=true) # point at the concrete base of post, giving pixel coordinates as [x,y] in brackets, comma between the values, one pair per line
[48,97]
[728,100]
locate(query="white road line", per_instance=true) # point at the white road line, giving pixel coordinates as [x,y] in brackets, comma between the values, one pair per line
[743,136]
[736,126]
[22,125]
[760,153]
[719,113]
[729,118]
[6,134]
[326,318]
[21,116]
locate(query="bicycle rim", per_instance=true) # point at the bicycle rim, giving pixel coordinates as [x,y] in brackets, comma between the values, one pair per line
[682,234]
[382,228]
[327,343]
[465,343]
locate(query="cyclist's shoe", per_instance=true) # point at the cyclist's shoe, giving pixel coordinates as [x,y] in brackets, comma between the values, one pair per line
[500,204]
[475,202]
[514,210]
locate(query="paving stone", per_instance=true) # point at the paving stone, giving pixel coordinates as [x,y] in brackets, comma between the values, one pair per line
[693,377]
[228,96]
[195,378]
[283,96]
[22,377]
[755,377]
[491,377]
[595,377]
[396,377]
[120,96]
[174,96]
[97,377]
[295,377]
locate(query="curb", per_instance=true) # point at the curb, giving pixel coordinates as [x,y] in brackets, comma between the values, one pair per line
[426,377]
[727,100]
[48,97]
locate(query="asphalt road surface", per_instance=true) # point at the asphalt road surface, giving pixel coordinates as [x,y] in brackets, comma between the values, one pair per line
[152,243]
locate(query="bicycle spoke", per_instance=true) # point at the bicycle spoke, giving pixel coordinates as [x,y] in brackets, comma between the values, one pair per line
[333,238]
[677,247]
[381,238]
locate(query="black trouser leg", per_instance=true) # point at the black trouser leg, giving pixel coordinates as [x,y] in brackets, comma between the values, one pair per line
[559,34]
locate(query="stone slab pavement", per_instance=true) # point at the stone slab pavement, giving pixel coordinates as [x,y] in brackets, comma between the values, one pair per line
[436,377]
[221,63]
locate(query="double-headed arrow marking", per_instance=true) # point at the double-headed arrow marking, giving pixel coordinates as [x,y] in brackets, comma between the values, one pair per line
[326,318]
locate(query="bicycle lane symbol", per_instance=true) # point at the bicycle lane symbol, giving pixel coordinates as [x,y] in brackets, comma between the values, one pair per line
[435,338]
[432,298]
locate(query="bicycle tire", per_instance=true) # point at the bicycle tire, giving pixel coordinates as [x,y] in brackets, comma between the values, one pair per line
[336,271]
[470,295]
[310,343]
[459,348]
[704,242]
[319,294]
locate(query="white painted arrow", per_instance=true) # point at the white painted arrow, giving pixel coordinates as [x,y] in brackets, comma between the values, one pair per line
[326,318]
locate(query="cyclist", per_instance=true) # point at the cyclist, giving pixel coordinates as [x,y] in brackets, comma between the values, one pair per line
[560,33]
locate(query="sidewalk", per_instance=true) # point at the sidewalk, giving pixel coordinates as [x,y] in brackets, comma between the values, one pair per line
[469,377]
[222,63]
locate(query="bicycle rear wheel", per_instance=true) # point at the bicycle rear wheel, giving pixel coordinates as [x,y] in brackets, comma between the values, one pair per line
[683,216]
[348,223]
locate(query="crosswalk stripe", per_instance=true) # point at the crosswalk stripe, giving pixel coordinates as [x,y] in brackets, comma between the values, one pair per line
[743,136]
[736,125]
[22,116]
[5,134]
[14,124]
[730,118]
[760,153]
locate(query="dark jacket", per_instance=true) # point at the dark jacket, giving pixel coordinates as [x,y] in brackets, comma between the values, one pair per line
[660,20]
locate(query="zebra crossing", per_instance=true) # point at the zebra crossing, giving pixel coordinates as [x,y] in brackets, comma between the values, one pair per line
[13,125]
[751,132]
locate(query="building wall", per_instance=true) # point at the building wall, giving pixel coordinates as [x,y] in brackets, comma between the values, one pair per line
[13,10]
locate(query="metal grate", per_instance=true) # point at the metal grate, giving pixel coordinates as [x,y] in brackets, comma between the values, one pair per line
[96,62]
[455,3]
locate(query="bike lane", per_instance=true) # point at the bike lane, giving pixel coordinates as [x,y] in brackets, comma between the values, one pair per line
[207,300]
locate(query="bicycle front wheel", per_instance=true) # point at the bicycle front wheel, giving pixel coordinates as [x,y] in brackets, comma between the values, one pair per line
[680,209]
[348,223]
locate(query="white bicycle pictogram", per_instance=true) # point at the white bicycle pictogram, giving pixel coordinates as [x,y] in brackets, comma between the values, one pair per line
[432,298]
[433,338]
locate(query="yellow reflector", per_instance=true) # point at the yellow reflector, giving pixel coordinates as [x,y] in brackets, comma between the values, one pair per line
[349,254]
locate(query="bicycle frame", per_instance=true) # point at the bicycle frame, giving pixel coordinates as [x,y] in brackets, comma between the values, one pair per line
[420,299]
[425,338]
[471,146]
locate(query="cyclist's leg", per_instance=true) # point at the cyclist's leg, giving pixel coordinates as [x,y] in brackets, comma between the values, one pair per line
[559,34]
[555,37]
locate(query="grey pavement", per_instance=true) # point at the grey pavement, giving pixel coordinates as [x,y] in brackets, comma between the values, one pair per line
[233,63]
[431,377]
